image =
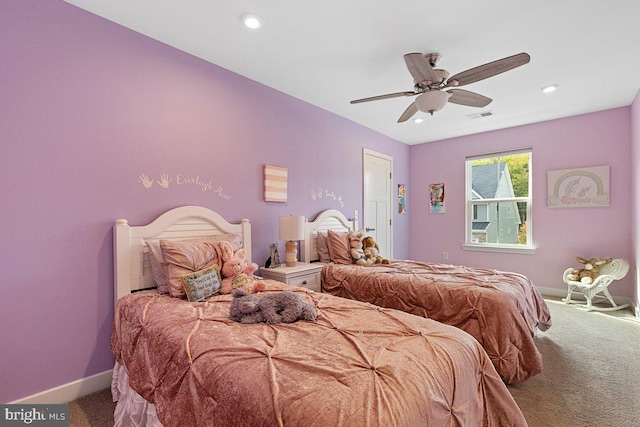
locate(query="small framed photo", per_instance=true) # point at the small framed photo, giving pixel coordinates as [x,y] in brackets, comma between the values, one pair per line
[436,196]
[402,198]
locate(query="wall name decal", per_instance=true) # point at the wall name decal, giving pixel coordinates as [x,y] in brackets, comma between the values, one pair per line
[205,186]
[165,181]
[320,193]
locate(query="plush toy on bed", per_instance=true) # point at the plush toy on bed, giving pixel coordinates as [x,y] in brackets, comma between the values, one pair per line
[590,271]
[372,251]
[357,253]
[238,272]
[276,307]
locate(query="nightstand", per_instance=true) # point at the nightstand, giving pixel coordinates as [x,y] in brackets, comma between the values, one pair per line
[303,274]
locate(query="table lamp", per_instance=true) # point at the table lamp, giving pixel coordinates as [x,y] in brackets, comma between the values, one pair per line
[292,230]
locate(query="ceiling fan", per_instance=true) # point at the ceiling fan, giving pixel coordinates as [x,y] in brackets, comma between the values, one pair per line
[430,83]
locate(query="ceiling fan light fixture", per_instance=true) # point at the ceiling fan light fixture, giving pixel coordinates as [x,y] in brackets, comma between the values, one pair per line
[432,101]
[430,84]
[418,120]
[549,88]
[251,21]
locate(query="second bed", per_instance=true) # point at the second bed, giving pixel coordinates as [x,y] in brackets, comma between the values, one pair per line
[501,310]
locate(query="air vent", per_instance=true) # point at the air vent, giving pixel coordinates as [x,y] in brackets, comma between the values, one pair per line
[480,115]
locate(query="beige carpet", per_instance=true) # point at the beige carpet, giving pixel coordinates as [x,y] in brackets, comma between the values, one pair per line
[94,410]
[591,375]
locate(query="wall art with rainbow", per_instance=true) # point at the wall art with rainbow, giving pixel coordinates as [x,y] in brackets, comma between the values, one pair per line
[577,188]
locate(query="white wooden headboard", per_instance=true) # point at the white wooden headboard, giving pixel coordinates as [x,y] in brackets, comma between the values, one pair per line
[132,270]
[331,219]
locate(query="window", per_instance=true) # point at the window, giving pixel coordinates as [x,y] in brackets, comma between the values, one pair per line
[499,198]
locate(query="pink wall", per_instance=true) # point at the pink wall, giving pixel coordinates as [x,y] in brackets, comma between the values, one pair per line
[635,179]
[602,138]
[86,108]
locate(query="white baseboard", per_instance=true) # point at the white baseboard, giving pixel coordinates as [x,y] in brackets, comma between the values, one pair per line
[552,292]
[562,293]
[71,391]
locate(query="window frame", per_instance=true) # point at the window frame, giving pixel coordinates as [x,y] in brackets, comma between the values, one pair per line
[469,244]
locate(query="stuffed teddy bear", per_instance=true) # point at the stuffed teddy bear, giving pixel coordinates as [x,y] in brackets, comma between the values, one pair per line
[238,272]
[372,251]
[589,272]
[357,253]
[277,307]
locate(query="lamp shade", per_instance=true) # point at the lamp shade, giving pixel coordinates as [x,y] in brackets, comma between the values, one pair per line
[431,101]
[291,227]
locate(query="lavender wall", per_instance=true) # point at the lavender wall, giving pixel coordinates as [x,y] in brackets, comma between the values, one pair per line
[86,108]
[602,138]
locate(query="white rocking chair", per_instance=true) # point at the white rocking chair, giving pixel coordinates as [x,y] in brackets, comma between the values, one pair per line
[615,270]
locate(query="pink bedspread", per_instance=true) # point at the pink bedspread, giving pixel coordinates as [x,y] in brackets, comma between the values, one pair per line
[358,365]
[501,310]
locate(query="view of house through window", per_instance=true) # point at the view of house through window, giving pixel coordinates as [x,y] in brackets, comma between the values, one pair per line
[499,199]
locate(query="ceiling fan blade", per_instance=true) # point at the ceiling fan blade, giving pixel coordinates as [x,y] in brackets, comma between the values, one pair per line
[408,113]
[419,67]
[387,96]
[488,70]
[465,97]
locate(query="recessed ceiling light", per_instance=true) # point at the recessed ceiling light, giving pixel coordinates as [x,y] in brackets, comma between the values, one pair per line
[251,21]
[418,120]
[549,88]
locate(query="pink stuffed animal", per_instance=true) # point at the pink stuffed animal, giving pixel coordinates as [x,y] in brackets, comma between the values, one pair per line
[238,272]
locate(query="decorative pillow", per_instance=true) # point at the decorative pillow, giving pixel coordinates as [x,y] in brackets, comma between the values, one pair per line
[339,249]
[159,267]
[234,240]
[323,249]
[202,284]
[185,257]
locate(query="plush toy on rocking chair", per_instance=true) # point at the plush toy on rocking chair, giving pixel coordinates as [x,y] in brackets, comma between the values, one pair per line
[593,280]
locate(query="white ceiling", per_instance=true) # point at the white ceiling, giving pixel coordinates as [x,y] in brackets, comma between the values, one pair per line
[332,51]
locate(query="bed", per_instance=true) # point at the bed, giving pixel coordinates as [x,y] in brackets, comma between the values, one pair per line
[186,363]
[502,310]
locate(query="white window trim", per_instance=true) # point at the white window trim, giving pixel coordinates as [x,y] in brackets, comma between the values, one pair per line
[529,248]
[489,247]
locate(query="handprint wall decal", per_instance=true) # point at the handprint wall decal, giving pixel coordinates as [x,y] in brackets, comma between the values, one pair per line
[164,181]
[144,179]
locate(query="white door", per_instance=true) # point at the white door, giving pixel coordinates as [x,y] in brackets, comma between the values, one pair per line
[377,200]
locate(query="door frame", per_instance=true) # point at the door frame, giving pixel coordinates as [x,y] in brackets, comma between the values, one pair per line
[367,152]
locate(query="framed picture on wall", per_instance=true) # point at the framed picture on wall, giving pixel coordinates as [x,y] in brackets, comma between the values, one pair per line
[578,188]
[402,198]
[275,184]
[436,197]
